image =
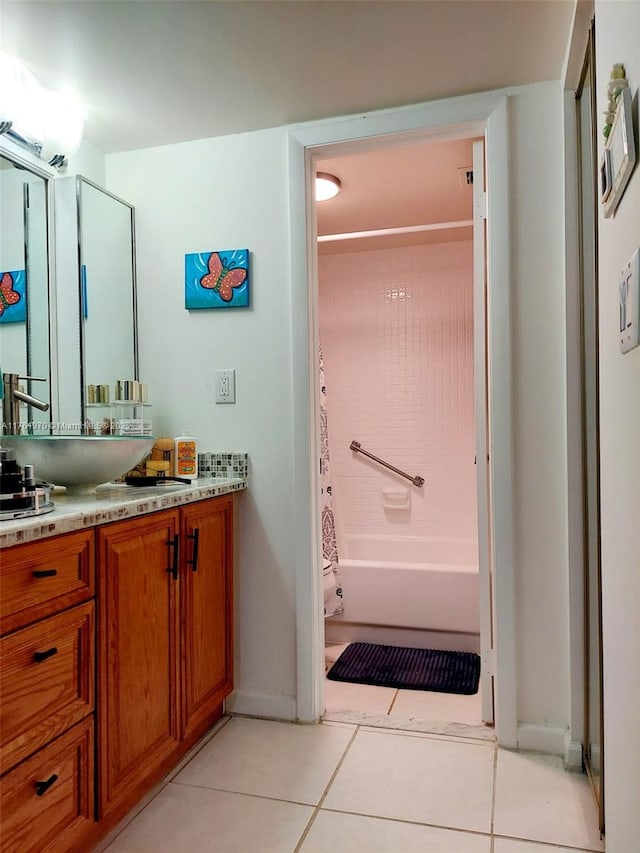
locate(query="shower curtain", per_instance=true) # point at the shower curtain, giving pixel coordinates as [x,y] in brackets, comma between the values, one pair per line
[330,576]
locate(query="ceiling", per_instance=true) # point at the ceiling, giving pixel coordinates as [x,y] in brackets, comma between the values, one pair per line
[152,72]
[393,186]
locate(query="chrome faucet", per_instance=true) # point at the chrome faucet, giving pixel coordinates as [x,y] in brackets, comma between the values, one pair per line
[11,399]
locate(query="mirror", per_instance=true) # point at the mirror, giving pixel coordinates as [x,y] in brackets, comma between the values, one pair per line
[96,304]
[107,289]
[24,283]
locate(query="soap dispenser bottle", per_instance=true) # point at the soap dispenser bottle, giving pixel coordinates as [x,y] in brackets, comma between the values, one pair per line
[186,456]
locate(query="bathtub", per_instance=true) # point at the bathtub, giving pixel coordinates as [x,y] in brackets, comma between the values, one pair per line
[409,591]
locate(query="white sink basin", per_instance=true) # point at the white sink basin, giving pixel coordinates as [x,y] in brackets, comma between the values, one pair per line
[79,462]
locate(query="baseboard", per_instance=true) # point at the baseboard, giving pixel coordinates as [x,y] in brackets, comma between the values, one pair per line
[573,758]
[264,705]
[537,738]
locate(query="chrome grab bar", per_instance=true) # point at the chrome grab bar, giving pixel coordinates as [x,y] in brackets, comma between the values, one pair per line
[417,481]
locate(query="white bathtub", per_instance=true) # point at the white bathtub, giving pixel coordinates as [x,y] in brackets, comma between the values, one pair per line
[409,591]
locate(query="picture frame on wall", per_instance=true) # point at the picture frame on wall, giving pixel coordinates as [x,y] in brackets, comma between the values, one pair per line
[620,152]
[605,175]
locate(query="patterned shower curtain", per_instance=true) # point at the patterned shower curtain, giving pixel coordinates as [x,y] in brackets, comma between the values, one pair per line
[331,578]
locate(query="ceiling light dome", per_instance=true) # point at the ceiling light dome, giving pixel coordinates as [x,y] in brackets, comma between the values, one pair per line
[327,186]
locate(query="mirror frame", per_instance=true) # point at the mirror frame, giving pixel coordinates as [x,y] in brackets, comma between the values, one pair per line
[81,179]
[29,162]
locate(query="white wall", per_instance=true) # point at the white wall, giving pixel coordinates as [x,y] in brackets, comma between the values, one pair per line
[227,193]
[539,394]
[618,40]
[231,192]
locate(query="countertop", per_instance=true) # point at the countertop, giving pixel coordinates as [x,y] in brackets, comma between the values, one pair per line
[111,502]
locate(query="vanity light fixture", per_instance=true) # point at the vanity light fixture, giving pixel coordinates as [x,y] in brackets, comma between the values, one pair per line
[327,186]
[48,123]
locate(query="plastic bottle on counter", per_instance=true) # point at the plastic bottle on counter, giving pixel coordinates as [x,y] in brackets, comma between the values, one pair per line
[186,457]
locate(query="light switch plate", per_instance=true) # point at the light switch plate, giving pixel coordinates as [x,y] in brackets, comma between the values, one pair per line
[629,297]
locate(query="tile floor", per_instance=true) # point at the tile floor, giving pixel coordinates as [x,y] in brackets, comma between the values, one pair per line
[413,710]
[261,786]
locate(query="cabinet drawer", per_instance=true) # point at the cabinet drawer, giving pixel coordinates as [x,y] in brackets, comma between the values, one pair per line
[42,578]
[47,801]
[46,680]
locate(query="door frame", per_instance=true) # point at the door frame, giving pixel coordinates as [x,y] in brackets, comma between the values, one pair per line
[476,115]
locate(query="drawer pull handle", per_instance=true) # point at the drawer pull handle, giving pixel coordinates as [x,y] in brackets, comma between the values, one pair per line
[40,656]
[45,573]
[173,568]
[43,787]
[196,538]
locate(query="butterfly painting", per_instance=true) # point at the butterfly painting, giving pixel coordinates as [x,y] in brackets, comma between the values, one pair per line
[217,279]
[13,304]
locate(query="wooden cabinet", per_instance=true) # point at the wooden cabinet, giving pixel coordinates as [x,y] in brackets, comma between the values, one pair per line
[165,657]
[163,605]
[206,613]
[47,801]
[41,578]
[46,681]
[47,694]
[138,661]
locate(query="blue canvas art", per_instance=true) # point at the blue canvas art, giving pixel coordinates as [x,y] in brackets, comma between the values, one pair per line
[13,302]
[217,279]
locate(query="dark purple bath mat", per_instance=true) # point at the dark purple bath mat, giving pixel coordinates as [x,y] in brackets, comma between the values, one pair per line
[408,669]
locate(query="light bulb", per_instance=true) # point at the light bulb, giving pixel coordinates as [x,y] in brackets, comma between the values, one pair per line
[63,124]
[327,186]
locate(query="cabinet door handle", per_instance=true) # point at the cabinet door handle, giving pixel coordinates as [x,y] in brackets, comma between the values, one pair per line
[43,787]
[40,656]
[173,568]
[45,573]
[196,539]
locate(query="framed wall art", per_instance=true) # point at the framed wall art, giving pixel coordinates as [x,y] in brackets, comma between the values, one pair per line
[621,153]
[217,279]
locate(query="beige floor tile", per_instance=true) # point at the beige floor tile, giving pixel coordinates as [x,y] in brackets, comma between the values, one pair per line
[182,819]
[419,779]
[332,651]
[364,698]
[509,845]
[425,705]
[281,760]
[537,800]
[332,832]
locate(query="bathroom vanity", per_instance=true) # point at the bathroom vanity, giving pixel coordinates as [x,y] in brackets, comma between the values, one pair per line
[116,645]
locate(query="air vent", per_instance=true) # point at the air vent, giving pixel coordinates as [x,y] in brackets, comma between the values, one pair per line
[465,177]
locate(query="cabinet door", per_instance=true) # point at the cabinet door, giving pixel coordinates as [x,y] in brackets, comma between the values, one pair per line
[138,666]
[206,612]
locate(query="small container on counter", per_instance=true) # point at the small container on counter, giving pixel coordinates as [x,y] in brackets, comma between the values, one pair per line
[186,451]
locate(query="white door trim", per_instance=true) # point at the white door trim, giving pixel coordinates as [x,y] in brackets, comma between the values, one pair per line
[480,401]
[463,117]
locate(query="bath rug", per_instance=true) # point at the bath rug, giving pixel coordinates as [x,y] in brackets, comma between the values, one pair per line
[408,669]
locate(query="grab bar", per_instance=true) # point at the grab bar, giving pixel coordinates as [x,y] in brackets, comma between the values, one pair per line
[417,481]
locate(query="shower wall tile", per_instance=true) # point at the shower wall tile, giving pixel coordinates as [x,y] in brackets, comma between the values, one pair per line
[396,328]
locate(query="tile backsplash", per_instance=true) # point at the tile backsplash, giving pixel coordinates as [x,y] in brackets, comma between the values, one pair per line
[223,465]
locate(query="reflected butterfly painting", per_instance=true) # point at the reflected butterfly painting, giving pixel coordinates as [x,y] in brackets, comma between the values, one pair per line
[13,304]
[217,279]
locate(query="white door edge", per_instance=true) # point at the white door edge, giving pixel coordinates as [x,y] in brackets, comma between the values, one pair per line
[480,410]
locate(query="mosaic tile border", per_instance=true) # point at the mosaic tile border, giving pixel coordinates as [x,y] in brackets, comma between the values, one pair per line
[223,465]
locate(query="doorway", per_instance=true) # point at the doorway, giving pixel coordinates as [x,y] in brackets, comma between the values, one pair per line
[397,258]
[472,116]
